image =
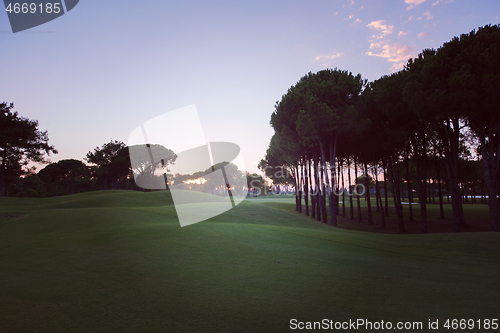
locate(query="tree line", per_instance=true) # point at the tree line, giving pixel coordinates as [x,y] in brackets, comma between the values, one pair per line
[430,117]
[106,167]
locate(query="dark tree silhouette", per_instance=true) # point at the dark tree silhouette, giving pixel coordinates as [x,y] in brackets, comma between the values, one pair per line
[111,164]
[21,142]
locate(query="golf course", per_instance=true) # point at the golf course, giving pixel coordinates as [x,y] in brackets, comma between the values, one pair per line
[118,261]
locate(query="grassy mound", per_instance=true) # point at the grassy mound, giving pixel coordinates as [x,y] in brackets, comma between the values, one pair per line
[108,198]
[119,261]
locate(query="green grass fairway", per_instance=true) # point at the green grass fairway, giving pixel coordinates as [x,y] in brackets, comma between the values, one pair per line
[118,261]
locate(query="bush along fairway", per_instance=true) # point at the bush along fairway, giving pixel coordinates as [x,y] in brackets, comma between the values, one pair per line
[118,261]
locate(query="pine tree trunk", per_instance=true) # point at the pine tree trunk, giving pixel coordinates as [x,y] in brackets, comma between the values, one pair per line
[318,187]
[357,194]
[408,185]
[384,166]
[313,191]
[440,193]
[2,172]
[337,190]
[374,172]
[324,179]
[421,180]
[490,171]
[332,194]
[368,202]
[295,178]
[396,196]
[379,198]
[350,188]
[341,166]
[450,138]
[306,185]
[299,188]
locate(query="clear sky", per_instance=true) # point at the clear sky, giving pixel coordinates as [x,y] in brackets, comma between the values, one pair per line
[98,72]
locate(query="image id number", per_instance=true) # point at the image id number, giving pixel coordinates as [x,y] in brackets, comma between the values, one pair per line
[32,8]
[471,324]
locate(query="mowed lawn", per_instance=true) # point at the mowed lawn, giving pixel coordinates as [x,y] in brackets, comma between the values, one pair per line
[118,261]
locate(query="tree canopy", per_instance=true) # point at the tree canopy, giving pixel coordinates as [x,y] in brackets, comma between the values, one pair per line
[21,142]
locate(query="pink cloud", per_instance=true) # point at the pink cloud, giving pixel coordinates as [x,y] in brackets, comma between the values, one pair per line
[380,46]
[423,35]
[395,53]
[441,1]
[413,3]
[332,56]
[381,27]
